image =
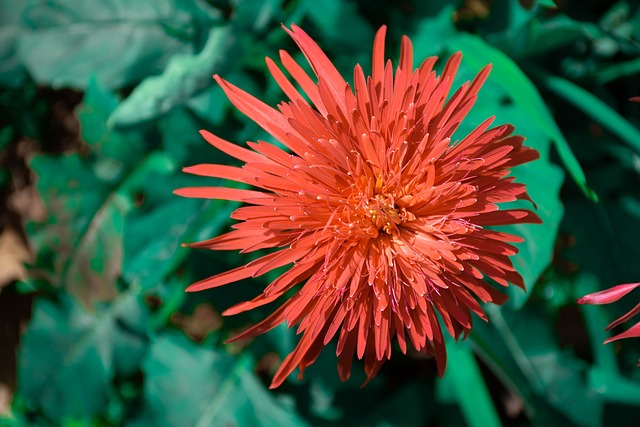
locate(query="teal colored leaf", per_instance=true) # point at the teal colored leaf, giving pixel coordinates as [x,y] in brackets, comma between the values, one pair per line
[502,97]
[614,387]
[355,31]
[152,241]
[557,32]
[64,42]
[528,362]
[441,24]
[154,234]
[469,387]
[184,77]
[80,243]
[190,385]
[548,3]
[257,15]
[180,131]
[82,218]
[617,70]
[68,358]
[593,107]
[6,135]
[506,74]
[611,252]
[555,375]
[12,72]
[112,152]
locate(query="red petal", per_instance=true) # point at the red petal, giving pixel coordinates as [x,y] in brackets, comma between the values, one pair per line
[633,332]
[231,149]
[631,313]
[608,295]
[223,193]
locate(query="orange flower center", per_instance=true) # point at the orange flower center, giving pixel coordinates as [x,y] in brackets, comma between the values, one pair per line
[384,214]
[373,209]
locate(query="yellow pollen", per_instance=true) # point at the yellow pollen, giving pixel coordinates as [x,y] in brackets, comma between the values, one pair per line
[383,213]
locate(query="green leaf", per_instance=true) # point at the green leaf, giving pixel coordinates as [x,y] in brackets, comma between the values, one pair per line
[469,386]
[520,350]
[151,255]
[595,320]
[80,243]
[555,375]
[64,42]
[12,72]
[355,32]
[617,70]
[6,135]
[81,218]
[112,152]
[506,74]
[548,3]
[593,107]
[257,15]
[190,385]
[614,387]
[181,137]
[442,24]
[605,235]
[557,32]
[184,77]
[68,358]
[502,97]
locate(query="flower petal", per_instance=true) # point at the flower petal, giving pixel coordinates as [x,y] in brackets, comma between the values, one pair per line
[608,295]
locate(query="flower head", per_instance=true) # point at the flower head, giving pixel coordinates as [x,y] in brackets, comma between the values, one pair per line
[381,217]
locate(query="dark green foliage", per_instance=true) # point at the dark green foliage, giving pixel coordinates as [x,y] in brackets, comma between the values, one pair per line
[101,103]
[228,392]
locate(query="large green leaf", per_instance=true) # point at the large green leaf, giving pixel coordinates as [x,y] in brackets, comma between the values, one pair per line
[68,358]
[184,77]
[501,97]
[64,42]
[524,94]
[191,385]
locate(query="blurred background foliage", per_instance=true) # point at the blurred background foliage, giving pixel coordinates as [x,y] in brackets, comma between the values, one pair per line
[100,107]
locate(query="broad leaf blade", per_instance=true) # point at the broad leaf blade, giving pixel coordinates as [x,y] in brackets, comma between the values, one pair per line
[186,384]
[64,42]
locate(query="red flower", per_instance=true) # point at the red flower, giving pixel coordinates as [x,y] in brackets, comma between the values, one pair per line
[381,217]
[612,295]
